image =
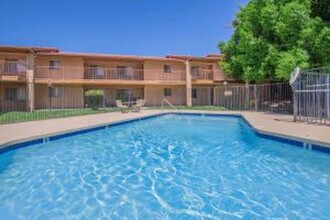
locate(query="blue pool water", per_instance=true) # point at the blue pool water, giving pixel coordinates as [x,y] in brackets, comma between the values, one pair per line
[169,167]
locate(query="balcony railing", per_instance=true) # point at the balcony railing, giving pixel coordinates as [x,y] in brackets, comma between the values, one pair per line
[59,72]
[202,75]
[159,74]
[113,73]
[100,73]
[12,68]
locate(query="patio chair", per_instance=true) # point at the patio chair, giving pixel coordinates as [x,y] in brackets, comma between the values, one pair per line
[123,108]
[274,107]
[139,104]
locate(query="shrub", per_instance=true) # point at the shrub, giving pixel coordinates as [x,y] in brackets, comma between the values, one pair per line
[94,99]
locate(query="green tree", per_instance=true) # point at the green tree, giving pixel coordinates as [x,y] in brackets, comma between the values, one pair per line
[272,37]
[321,8]
[94,98]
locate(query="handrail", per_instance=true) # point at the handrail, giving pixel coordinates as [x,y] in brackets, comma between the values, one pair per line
[169,103]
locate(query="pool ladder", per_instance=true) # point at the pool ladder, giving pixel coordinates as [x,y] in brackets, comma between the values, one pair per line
[307,143]
[169,103]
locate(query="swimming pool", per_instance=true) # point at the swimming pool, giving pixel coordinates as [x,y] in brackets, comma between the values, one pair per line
[167,167]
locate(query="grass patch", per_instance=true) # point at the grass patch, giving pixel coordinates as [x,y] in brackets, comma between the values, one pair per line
[12,117]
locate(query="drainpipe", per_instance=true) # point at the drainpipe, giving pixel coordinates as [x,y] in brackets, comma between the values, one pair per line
[188,84]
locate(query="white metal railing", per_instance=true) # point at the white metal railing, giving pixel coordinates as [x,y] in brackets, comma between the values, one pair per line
[159,74]
[169,103]
[103,73]
[13,68]
[202,74]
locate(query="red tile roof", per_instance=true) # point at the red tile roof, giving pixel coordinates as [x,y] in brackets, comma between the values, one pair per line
[52,51]
[26,49]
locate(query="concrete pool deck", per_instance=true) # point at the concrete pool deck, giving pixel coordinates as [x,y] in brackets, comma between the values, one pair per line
[274,124]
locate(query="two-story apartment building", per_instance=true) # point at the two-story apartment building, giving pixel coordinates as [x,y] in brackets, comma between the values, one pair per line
[40,77]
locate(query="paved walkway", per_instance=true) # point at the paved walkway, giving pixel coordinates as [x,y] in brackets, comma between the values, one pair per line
[24,131]
[281,125]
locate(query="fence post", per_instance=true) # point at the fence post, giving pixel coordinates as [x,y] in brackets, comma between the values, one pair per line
[328,97]
[247,96]
[295,106]
[255,98]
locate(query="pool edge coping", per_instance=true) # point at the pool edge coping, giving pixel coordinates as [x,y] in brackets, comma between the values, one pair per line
[312,144]
[70,132]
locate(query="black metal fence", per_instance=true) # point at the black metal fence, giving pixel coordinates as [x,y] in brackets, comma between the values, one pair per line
[22,101]
[275,97]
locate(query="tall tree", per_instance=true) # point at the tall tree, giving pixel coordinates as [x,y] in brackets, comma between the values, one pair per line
[321,8]
[272,37]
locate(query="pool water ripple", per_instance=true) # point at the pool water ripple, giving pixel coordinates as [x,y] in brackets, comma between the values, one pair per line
[171,167]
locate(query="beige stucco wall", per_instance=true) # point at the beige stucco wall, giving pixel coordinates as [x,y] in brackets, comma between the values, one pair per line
[12,56]
[154,70]
[71,67]
[70,97]
[218,74]
[155,94]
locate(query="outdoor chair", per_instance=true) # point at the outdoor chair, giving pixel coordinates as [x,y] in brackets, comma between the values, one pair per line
[139,104]
[123,108]
[274,107]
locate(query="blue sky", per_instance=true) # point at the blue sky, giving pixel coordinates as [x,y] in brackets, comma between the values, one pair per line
[141,27]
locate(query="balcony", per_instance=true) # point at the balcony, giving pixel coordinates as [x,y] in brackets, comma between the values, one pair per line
[12,71]
[121,73]
[88,75]
[159,76]
[58,73]
[202,75]
[101,75]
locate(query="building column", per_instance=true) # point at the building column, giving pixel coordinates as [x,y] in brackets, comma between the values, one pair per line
[30,90]
[188,85]
[30,82]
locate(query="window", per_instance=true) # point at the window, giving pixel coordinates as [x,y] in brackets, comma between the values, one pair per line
[10,94]
[54,65]
[100,71]
[11,66]
[167,92]
[167,68]
[124,71]
[195,71]
[95,70]
[21,93]
[54,92]
[124,95]
[194,93]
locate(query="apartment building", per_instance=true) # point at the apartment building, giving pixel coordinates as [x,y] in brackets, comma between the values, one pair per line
[42,77]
